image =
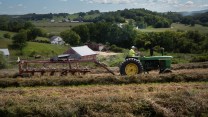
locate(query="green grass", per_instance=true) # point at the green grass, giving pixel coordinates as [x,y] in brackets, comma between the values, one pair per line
[44,49]
[91,16]
[4,32]
[39,48]
[56,27]
[73,16]
[176,27]
[5,42]
[42,39]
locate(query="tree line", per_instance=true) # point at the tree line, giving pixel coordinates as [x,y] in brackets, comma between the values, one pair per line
[141,17]
[108,31]
[26,31]
[126,36]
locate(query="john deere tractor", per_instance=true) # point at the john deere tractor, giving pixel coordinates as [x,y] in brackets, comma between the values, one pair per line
[137,65]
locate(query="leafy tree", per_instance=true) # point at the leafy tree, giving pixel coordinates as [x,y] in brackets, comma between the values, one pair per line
[140,39]
[93,32]
[114,35]
[101,31]
[20,40]
[159,24]
[15,25]
[141,24]
[93,12]
[187,20]
[7,35]
[83,32]
[122,37]
[127,37]
[82,14]
[33,33]
[28,25]
[205,44]
[4,20]
[194,35]
[70,37]
[184,45]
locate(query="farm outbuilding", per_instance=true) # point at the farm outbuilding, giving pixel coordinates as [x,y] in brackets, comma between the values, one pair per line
[5,52]
[81,52]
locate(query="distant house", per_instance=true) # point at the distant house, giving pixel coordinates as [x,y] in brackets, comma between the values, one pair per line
[81,52]
[52,21]
[57,40]
[74,21]
[5,52]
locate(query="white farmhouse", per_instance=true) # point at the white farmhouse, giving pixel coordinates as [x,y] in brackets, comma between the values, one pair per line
[57,40]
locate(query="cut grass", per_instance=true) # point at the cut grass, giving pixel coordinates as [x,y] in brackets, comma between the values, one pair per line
[104,79]
[181,99]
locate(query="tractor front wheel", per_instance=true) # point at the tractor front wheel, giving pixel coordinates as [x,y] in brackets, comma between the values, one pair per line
[130,67]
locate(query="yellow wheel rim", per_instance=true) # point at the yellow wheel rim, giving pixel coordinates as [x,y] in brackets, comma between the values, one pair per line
[131,69]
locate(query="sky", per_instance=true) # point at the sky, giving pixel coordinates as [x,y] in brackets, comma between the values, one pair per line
[17,7]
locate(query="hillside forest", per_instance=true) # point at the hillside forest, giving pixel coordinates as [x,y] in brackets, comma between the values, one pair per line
[114,28]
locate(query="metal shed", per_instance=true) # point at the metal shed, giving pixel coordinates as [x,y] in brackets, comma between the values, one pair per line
[5,52]
[81,52]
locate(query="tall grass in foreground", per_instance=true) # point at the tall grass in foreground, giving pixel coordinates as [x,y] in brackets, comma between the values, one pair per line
[182,99]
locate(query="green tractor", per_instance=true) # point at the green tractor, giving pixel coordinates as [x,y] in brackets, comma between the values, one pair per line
[137,65]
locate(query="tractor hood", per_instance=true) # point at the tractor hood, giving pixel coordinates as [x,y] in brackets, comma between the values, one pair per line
[156,58]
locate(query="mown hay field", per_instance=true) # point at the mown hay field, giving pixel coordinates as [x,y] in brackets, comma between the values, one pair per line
[181,93]
[168,99]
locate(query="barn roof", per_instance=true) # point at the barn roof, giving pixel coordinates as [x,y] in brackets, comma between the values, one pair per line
[5,52]
[83,50]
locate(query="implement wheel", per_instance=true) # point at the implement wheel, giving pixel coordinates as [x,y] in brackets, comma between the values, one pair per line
[130,67]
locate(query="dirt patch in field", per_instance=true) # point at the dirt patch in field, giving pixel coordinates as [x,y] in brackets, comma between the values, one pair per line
[106,54]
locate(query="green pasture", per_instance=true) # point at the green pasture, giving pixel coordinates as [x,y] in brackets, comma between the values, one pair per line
[35,48]
[56,27]
[93,16]
[44,49]
[178,27]
[48,50]
[4,32]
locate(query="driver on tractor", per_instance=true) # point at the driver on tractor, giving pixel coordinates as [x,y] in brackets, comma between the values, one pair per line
[132,52]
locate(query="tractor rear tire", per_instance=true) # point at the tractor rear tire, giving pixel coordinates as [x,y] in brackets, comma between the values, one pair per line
[130,67]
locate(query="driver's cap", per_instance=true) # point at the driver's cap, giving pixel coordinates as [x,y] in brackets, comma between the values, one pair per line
[133,47]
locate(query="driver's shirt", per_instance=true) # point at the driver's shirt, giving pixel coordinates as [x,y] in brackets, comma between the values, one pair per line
[131,53]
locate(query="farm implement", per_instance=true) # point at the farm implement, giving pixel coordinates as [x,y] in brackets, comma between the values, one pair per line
[54,67]
[73,61]
[137,65]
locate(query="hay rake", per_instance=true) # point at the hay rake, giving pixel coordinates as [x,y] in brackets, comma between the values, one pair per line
[63,67]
